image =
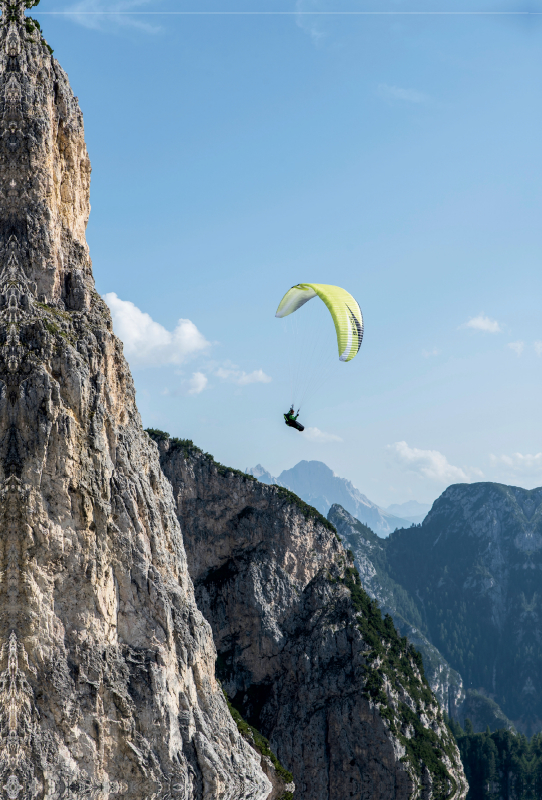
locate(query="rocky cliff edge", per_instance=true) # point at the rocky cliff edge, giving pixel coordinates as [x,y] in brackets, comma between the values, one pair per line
[107,668]
[303,652]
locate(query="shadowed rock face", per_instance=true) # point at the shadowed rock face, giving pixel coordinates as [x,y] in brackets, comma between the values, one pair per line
[106,665]
[474,567]
[301,650]
[370,555]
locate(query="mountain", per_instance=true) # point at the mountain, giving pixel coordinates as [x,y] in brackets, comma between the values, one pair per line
[474,565]
[318,485]
[373,557]
[471,570]
[370,558]
[303,652]
[411,510]
[261,474]
[107,667]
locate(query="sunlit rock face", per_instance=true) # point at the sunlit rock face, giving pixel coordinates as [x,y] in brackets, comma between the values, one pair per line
[107,683]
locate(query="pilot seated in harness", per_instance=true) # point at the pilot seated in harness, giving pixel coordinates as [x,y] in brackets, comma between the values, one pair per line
[291,420]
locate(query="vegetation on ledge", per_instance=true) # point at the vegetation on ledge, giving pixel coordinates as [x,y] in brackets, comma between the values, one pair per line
[188,448]
[253,736]
[308,511]
[393,661]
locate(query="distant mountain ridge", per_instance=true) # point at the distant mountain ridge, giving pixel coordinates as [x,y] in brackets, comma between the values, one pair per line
[474,567]
[373,563]
[470,574]
[316,484]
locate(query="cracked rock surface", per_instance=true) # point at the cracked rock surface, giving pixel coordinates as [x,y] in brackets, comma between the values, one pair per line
[308,660]
[107,682]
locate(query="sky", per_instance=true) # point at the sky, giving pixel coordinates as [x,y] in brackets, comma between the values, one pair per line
[396,155]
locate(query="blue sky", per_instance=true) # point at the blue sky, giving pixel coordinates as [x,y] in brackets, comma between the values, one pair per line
[398,156]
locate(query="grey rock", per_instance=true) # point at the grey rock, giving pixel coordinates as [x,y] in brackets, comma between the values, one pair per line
[371,560]
[474,568]
[270,576]
[107,682]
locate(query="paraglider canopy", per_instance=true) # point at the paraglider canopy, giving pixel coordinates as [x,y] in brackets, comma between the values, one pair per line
[343,308]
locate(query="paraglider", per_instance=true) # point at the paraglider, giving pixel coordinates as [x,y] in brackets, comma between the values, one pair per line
[291,420]
[346,315]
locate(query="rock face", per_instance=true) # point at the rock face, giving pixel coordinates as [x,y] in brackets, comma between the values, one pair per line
[468,580]
[474,566]
[107,682]
[370,557]
[302,651]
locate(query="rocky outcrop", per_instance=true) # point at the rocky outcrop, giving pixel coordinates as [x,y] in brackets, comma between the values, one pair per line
[302,651]
[107,668]
[370,557]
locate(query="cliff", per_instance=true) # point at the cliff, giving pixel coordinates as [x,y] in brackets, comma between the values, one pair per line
[370,558]
[107,680]
[474,566]
[302,651]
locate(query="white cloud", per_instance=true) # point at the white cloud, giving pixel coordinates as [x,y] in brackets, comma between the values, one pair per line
[483,323]
[429,353]
[96,14]
[197,383]
[398,93]
[517,347]
[316,435]
[538,348]
[241,378]
[149,344]
[431,464]
[519,464]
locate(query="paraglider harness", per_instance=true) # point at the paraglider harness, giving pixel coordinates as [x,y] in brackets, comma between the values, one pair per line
[291,420]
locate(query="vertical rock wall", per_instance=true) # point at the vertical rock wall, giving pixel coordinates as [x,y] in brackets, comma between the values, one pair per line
[302,651]
[107,680]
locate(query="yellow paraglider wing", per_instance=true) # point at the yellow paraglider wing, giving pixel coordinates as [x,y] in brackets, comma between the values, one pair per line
[343,308]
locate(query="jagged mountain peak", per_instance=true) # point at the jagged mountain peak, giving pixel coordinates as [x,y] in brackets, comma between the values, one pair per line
[471,501]
[318,485]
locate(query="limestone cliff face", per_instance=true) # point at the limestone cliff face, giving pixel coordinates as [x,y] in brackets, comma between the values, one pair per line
[107,682]
[302,651]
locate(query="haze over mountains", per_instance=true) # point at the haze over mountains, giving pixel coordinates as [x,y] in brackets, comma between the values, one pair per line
[411,510]
[318,485]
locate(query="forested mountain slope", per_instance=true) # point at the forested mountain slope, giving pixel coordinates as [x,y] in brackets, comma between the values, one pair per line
[473,571]
[475,566]
[370,554]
